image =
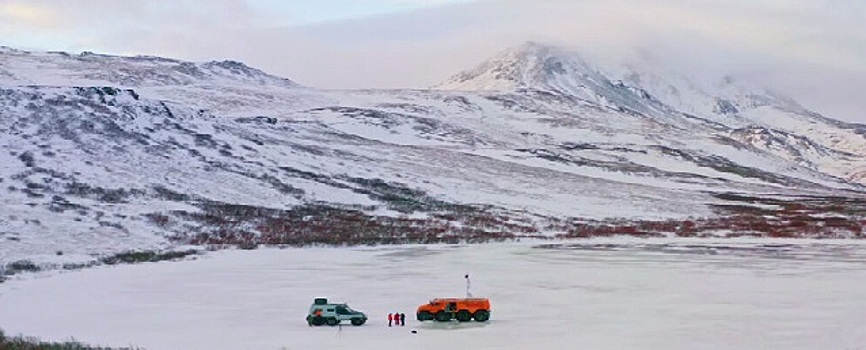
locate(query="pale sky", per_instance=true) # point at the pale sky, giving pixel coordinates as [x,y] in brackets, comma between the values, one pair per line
[812,50]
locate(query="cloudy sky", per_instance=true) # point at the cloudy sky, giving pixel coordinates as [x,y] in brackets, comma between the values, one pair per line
[813,50]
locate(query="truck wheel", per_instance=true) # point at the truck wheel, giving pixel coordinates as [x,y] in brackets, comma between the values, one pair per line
[425,316]
[332,321]
[443,316]
[481,315]
[318,321]
[357,321]
[464,316]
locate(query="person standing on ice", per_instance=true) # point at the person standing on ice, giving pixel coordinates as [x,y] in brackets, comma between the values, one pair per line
[390,318]
[402,319]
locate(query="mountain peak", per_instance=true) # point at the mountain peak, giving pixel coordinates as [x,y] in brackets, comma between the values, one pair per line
[551,69]
[532,65]
[635,83]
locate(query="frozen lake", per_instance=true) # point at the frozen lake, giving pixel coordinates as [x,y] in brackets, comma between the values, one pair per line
[594,294]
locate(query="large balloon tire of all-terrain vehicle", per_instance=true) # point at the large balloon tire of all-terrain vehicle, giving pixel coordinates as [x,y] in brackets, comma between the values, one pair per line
[443,316]
[463,316]
[332,322]
[357,321]
[317,321]
[425,316]
[481,315]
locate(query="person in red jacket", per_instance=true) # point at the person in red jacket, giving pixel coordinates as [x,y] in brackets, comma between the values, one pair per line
[390,318]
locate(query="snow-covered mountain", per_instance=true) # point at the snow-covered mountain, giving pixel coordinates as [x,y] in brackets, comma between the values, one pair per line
[645,88]
[102,154]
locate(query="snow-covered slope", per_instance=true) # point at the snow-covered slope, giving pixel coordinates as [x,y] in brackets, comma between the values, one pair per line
[100,154]
[228,87]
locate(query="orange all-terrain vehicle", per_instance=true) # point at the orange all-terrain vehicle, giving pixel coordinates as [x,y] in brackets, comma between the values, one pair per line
[462,309]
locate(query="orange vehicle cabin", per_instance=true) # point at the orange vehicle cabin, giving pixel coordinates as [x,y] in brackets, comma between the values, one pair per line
[461,309]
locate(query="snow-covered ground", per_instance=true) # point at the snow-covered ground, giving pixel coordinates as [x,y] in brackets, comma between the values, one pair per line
[593,294]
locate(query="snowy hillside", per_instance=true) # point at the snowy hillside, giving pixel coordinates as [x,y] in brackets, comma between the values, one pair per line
[87,68]
[102,154]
